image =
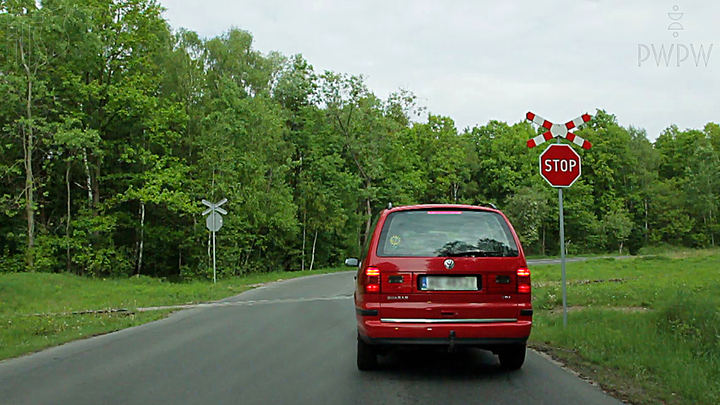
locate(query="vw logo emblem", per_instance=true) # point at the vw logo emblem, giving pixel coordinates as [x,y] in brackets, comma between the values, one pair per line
[449,264]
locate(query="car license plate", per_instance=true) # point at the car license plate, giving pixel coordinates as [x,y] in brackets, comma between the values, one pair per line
[443,283]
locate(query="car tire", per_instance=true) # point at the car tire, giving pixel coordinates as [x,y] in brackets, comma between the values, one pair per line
[513,357]
[366,356]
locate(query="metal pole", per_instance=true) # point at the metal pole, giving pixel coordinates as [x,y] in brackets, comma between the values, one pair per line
[562,256]
[214,274]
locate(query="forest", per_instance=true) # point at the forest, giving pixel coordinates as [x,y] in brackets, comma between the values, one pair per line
[115,125]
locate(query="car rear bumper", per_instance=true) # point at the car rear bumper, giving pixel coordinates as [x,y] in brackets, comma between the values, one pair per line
[378,332]
[479,342]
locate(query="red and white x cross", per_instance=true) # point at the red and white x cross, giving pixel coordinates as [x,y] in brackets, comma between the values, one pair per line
[558,130]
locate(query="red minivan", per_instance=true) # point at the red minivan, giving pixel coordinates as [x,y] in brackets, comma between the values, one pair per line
[443,275]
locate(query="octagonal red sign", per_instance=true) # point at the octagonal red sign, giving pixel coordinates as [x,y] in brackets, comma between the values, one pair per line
[560,165]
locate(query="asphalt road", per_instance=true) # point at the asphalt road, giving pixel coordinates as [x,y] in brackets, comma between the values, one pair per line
[291,342]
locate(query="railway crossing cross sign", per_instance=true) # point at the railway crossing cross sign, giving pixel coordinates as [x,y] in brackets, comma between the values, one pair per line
[560,166]
[214,222]
[558,130]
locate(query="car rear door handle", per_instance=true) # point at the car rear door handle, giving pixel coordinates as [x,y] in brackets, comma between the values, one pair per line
[448,313]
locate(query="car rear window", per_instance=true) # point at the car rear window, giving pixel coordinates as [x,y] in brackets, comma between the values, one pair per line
[430,233]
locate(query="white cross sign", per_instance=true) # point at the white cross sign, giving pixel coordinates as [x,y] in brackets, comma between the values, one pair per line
[214,222]
[214,207]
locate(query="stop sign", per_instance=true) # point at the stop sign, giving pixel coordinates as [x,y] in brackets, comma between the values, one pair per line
[560,165]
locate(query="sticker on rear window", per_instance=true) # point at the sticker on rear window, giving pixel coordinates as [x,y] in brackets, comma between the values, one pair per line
[395,241]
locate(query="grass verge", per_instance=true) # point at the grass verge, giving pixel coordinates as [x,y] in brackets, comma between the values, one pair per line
[646,329]
[36,308]
[591,255]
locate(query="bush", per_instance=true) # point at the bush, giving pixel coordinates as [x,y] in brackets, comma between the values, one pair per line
[11,263]
[49,253]
[694,319]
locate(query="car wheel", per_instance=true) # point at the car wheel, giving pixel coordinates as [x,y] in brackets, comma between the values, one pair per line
[512,358]
[366,356]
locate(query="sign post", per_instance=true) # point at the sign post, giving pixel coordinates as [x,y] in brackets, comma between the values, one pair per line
[214,222]
[562,256]
[560,166]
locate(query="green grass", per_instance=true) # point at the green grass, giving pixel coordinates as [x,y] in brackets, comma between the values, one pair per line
[677,252]
[556,255]
[26,334]
[36,308]
[651,337]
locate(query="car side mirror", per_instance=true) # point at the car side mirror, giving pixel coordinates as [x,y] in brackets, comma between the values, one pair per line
[352,262]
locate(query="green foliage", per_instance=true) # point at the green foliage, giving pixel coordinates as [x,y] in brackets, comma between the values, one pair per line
[133,124]
[527,209]
[617,226]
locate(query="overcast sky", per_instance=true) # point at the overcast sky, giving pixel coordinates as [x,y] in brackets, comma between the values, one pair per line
[477,61]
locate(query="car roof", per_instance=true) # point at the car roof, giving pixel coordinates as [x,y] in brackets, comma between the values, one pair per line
[441,206]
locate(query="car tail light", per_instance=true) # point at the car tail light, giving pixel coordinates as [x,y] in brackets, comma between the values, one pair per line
[523,281]
[373,280]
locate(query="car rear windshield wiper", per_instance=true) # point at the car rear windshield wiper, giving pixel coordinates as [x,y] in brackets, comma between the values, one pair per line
[475,253]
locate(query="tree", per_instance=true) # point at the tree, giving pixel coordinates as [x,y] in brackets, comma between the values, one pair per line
[357,116]
[448,157]
[700,184]
[617,225]
[528,209]
[28,49]
[504,161]
[243,156]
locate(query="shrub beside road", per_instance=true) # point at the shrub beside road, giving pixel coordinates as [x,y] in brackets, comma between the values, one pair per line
[646,329]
